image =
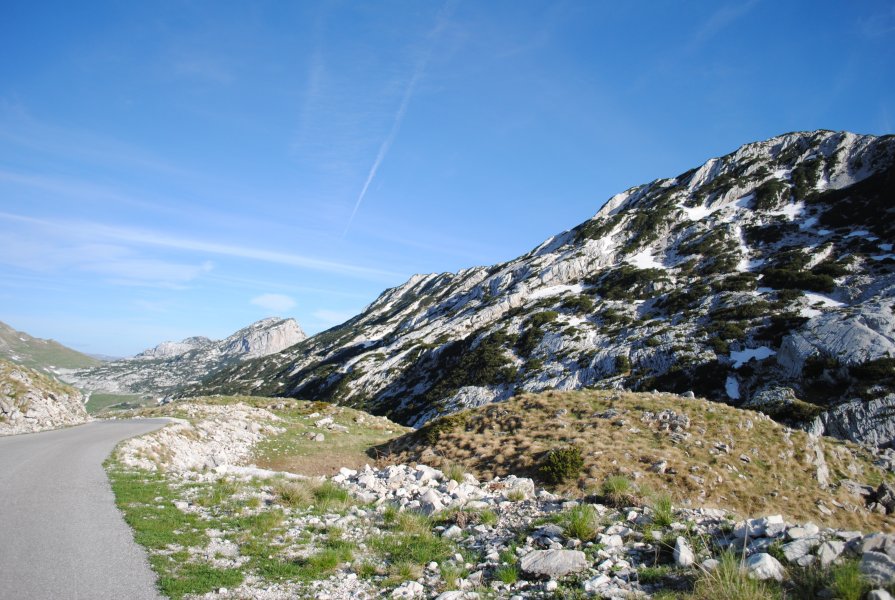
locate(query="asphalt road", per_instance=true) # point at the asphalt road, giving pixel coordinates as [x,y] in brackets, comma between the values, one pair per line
[61,536]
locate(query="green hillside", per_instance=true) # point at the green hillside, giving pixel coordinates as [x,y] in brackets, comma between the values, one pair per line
[36,353]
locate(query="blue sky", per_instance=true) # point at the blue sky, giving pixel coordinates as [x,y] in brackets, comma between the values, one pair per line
[170,169]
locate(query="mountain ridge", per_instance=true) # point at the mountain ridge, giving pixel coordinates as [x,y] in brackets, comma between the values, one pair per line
[171,365]
[735,280]
[37,353]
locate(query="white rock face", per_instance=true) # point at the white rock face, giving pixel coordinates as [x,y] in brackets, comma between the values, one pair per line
[31,401]
[865,333]
[265,337]
[871,422]
[170,365]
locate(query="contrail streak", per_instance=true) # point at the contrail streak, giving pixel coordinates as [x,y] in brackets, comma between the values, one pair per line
[441,20]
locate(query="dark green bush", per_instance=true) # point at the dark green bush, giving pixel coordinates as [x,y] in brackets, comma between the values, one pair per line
[778,326]
[799,280]
[831,268]
[542,318]
[562,464]
[741,312]
[622,364]
[769,194]
[740,282]
[785,296]
[879,370]
[433,430]
[627,283]
[729,331]
[580,303]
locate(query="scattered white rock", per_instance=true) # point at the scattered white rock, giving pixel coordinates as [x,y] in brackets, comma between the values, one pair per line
[764,566]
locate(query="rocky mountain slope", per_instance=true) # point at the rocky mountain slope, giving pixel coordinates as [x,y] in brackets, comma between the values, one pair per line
[764,277]
[171,365]
[36,353]
[31,401]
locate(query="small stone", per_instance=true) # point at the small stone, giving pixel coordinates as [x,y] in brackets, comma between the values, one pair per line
[683,553]
[593,585]
[806,530]
[408,589]
[799,548]
[710,564]
[553,563]
[764,566]
[830,551]
[879,595]
[611,541]
[551,586]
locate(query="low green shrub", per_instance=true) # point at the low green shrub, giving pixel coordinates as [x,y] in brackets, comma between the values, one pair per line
[562,464]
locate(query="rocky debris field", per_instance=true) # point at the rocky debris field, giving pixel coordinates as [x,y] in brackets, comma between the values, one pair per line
[413,532]
[225,529]
[205,436]
[31,401]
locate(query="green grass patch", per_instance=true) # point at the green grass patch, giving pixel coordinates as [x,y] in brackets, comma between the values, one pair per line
[581,522]
[146,501]
[416,548]
[192,578]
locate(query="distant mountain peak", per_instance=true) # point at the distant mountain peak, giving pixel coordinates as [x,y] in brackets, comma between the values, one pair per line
[169,365]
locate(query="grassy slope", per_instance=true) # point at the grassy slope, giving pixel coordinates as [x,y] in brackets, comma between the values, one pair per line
[100,403]
[37,353]
[293,450]
[513,437]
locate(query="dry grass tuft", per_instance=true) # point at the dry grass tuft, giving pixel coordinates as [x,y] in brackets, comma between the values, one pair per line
[727,458]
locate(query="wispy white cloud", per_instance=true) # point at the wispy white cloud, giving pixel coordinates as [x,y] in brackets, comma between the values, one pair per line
[418,72]
[146,272]
[719,20]
[204,68]
[879,24]
[115,264]
[19,127]
[328,318]
[133,236]
[256,284]
[275,303]
[152,306]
